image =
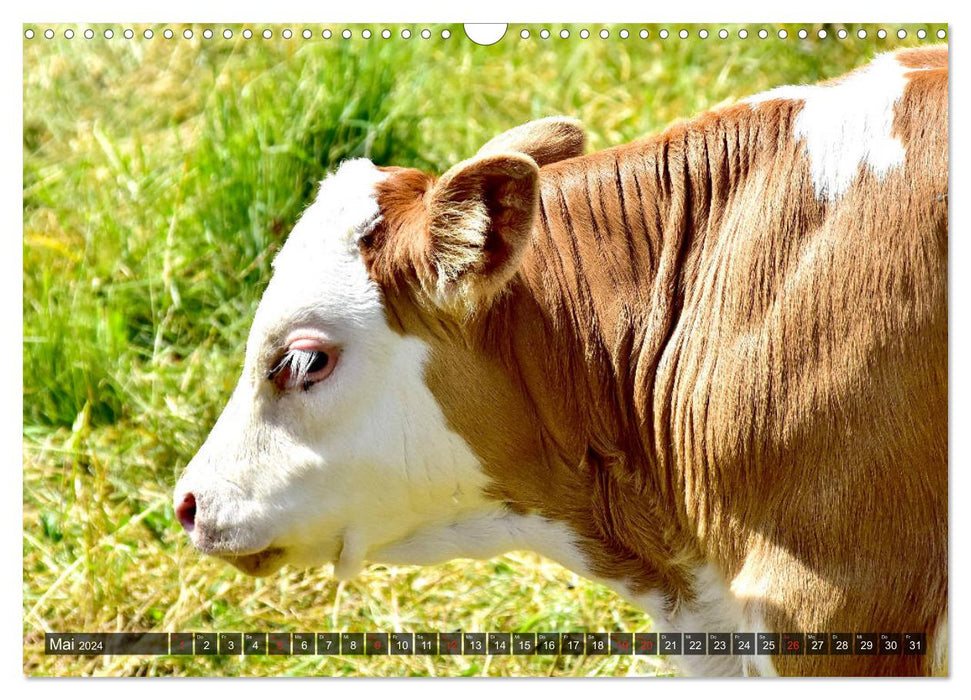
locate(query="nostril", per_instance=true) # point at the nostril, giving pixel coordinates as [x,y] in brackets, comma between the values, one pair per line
[186,512]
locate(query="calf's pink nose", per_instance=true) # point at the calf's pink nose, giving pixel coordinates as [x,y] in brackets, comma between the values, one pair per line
[186,512]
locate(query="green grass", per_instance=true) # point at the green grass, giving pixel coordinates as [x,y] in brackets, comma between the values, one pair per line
[160,176]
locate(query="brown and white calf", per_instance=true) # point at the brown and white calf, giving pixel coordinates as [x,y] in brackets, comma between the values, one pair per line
[708,368]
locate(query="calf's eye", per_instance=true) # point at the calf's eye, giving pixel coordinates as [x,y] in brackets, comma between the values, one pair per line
[304,363]
[318,361]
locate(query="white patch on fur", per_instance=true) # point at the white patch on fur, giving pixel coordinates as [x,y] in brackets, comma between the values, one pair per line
[848,124]
[939,646]
[714,609]
[497,531]
[361,459]
[757,664]
[490,533]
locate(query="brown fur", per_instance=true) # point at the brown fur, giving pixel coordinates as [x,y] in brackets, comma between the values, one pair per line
[545,140]
[698,361]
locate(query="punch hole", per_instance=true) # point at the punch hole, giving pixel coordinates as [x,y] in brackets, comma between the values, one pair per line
[743,33]
[663,33]
[783,34]
[901,33]
[446,33]
[385,33]
[881,33]
[941,34]
[703,33]
[584,33]
[306,33]
[187,34]
[148,34]
[821,33]
[366,33]
[287,34]
[30,34]
[89,34]
[227,34]
[247,33]
[485,34]
[267,34]
[921,34]
[564,33]
[68,33]
[346,33]
[763,34]
[861,34]
[722,33]
[49,33]
[841,33]
[524,34]
[405,33]
[683,34]
[128,33]
[544,34]
[644,34]
[168,33]
[802,34]
[425,34]
[109,34]
[327,34]
[604,33]
[624,33]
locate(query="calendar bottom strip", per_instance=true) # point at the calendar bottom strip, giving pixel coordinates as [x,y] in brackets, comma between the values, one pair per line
[484,643]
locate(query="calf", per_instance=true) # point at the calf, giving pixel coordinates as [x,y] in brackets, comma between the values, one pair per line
[708,369]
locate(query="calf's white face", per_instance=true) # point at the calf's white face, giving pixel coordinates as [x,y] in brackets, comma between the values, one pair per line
[331,447]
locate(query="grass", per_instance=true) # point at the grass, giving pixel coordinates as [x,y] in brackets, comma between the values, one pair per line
[160,176]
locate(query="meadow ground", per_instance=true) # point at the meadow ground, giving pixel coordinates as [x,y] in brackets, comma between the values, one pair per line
[160,177]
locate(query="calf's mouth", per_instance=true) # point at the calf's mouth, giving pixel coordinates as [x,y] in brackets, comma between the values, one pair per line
[259,563]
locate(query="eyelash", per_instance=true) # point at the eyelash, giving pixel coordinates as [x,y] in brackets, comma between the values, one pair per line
[295,366]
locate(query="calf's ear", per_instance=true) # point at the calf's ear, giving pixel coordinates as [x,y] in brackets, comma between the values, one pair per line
[481,215]
[544,140]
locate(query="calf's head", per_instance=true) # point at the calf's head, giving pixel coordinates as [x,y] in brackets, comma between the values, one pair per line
[332,447]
